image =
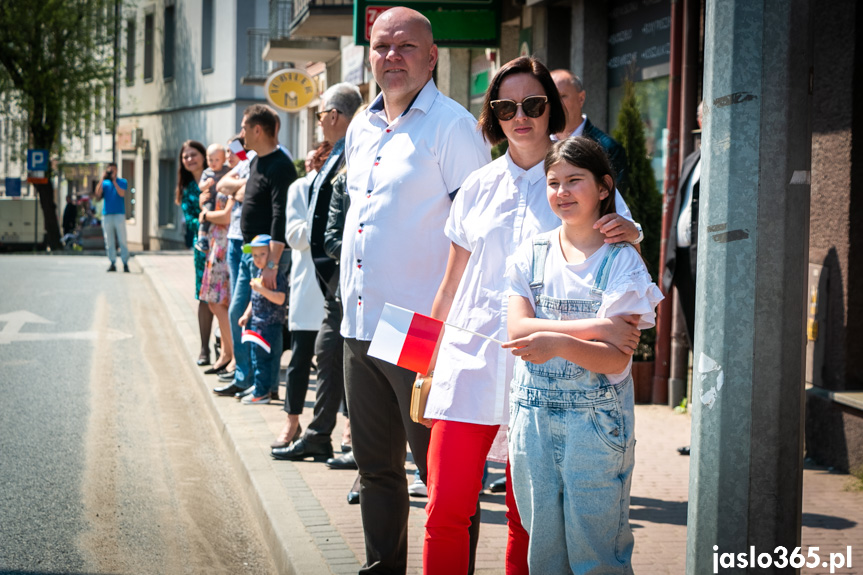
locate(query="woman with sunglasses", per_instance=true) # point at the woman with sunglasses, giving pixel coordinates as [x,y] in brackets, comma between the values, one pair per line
[496,208]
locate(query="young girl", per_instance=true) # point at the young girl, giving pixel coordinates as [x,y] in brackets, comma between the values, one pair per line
[571,442]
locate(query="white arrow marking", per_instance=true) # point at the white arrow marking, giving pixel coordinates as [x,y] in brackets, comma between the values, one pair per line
[17,319]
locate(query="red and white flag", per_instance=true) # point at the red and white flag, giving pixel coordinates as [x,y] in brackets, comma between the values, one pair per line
[254,337]
[406,338]
[238,149]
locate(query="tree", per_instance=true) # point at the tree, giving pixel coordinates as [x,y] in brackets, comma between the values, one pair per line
[53,53]
[642,196]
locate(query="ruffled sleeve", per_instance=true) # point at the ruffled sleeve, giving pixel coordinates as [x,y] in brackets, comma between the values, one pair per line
[631,291]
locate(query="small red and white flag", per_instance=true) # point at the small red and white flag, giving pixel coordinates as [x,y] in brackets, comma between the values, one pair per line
[238,149]
[406,338]
[254,337]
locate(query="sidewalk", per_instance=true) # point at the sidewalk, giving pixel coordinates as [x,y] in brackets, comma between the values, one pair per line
[310,529]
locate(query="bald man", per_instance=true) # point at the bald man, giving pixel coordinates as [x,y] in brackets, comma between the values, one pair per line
[407,155]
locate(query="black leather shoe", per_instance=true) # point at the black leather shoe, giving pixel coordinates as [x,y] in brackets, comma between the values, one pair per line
[203,359]
[301,449]
[227,390]
[346,447]
[216,370]
[345,461]
[354,493]
[498,486]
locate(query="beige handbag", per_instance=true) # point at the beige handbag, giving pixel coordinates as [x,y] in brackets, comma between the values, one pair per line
[419,397]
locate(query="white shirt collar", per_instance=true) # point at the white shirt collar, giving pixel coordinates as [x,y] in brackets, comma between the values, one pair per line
[422,101]
[533,174]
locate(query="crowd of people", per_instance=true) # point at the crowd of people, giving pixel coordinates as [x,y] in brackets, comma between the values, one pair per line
[402,204]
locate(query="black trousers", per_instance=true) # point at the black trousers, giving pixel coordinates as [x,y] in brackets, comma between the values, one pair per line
[297,377]
[329,349]
[379,397]
[684,281]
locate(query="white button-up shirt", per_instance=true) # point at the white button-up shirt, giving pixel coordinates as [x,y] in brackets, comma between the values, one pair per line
[498,207]
[401,178]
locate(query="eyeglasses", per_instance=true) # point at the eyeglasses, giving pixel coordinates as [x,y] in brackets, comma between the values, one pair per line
[532,106]
[322,115]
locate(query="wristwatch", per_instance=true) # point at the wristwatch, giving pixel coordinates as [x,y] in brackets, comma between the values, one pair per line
[274,265]
[640,237]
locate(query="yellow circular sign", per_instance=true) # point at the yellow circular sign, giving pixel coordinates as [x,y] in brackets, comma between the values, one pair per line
[290,90]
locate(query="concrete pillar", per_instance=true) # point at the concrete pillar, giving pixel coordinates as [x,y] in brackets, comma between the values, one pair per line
[745,484]
[589,57]
[453,74]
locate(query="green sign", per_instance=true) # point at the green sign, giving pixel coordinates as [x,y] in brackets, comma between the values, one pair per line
[456,23]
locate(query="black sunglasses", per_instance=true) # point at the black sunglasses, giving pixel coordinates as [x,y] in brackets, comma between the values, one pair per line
[322,115]
[533,107]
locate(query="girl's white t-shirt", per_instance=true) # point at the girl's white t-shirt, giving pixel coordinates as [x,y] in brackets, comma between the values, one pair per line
[629,289]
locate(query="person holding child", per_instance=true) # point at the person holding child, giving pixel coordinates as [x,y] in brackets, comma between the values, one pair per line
[217,167]
[264,317]
[497,207]
[571,438]
[216,284]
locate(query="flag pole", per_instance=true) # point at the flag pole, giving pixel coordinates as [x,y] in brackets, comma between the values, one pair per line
[474,333]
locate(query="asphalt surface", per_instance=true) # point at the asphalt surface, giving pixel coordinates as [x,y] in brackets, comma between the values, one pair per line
[108,462]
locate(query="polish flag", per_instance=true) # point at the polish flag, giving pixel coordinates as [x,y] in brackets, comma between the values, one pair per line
[254,337]
[238,149]
[406,338]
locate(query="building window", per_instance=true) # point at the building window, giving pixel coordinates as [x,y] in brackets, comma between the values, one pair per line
[168,48]
[167,193]
[130,52]
[207,34]
[149,46]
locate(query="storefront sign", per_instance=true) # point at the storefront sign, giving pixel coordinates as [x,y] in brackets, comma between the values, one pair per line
[639,40]
[456,23]
[290,89]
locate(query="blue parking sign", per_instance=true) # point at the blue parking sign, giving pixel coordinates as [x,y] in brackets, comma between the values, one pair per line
[13,187]
[37,160]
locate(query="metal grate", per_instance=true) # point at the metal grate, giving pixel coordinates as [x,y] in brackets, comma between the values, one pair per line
[258,68]
[281,12]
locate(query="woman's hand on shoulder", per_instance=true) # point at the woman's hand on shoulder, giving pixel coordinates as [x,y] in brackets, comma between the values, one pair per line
[538,347]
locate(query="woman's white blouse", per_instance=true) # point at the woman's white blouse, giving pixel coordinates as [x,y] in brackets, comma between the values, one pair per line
[497,207]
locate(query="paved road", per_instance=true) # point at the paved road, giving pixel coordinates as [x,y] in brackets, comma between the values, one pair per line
[107,457]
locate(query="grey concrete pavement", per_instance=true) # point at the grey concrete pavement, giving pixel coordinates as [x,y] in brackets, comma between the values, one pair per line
[310,528]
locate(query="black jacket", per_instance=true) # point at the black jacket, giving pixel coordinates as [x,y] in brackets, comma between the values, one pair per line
[616,153]
[320,193]
[671,246]
[338,209]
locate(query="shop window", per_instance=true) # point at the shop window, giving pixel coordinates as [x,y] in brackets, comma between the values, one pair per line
[167,193]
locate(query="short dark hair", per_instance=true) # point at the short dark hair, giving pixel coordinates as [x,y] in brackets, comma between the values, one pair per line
[263,116]
[586,154]
[490,125]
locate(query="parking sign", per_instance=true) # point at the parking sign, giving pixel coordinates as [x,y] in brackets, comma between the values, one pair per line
[37,160]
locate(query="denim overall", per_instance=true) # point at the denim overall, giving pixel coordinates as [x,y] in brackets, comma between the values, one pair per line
[571,448]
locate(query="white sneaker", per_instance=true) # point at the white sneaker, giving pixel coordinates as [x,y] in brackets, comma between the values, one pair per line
[418,488]
[251,399]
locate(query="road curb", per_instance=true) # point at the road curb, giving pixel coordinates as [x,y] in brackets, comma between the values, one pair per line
[297,530]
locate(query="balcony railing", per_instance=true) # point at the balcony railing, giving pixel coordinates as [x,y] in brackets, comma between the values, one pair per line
[302,9]
[257,69]
[281,14]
